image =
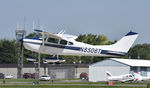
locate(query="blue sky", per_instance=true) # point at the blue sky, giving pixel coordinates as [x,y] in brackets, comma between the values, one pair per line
[113,18]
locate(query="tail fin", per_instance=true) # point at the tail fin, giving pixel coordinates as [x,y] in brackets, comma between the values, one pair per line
[108,73]
[136,74]
[123,45]
[126,42]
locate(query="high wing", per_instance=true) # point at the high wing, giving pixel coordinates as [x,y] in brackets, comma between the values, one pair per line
[60,35]
[47,34]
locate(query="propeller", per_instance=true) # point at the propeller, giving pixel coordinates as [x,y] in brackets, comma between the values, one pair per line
[21,34]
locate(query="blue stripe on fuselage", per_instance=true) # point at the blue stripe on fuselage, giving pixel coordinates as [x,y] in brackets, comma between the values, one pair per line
[56,46]
[116,54]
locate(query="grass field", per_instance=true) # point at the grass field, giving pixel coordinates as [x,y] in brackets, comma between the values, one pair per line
[28,83]
[46,86]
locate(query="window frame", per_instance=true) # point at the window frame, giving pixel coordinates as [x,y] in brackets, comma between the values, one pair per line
[70,43]
[66,42]
[56,41]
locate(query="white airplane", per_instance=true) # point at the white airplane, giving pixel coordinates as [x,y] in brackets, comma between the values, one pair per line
[121,78]
[139,78]
[31,59]
[64,44]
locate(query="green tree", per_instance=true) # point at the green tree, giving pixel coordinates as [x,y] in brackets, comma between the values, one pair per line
[8,51]
[140,51]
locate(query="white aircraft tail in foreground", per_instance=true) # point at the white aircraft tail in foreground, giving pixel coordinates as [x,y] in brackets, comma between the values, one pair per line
[120,78]
[64,44]
[139,78]
[54,60]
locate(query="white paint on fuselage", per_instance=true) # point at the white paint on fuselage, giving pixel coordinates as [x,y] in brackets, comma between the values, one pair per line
[122,78]
[36,46]
[30,44]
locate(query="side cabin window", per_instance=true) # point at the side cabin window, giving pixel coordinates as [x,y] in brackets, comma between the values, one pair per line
[130,75]
[63,42]
[53,40]
[70,43]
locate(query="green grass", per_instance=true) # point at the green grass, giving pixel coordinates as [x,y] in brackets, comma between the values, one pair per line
[27,83]
[30,80]
[19,80]
[60,86]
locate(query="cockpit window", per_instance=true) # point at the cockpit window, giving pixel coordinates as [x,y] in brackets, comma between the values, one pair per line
[63,42]
[53,40]
[70,43]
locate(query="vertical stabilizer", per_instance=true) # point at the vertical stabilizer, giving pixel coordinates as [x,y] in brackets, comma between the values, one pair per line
[123,45]
[137,74]
[126,42]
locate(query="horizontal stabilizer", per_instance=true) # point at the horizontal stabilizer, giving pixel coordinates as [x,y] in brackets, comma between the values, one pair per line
[54,60]
[31,59]
[108,73]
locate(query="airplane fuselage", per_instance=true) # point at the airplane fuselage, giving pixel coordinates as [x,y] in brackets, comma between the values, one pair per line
[123,78]
[55,44]
[78,48]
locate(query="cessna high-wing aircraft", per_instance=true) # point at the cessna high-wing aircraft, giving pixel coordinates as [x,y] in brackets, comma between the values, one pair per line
[121,78]
[139,78]
[63,44]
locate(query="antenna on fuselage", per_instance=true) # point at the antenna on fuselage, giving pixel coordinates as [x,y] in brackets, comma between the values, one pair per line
[61,32]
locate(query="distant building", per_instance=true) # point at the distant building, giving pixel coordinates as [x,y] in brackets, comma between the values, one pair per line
[63,71]
[97,71]
[12,69]
[56,71]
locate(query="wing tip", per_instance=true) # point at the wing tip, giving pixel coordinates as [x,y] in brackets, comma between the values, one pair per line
[37,30]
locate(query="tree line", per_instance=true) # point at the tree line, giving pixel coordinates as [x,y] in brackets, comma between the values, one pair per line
[9,49]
